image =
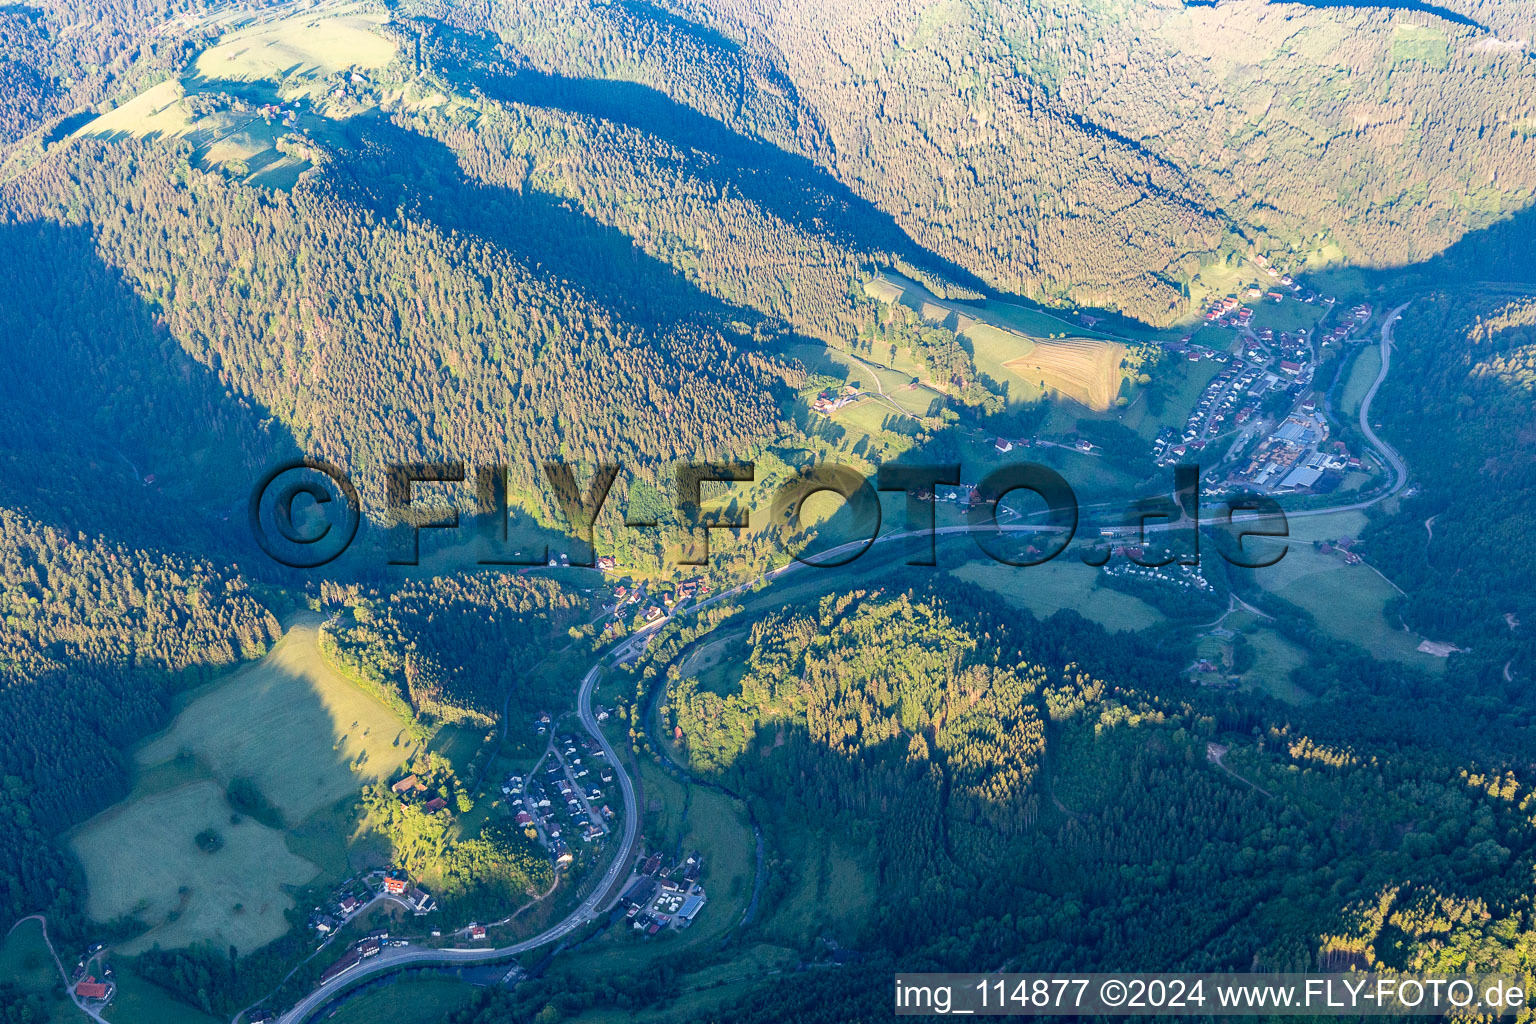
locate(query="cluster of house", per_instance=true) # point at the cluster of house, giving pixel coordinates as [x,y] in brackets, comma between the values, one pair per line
[1229,312]
[410,788]
[1185,577]
[654,600]
[577,808]
[277,112]
[354,895]
[1226,396]
[349,83]
[1193,351]
[1342,547]
[1285,281]
[664,895]
[833,399]
[1295,349]
[363,949]
[88,987]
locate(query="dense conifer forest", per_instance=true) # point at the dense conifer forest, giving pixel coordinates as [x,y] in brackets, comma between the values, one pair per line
[596,232]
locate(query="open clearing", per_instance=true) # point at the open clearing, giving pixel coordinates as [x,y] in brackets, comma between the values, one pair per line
[1275,659]
[831,893]
[1061,583]
[1348,601]
[290,723]
[142,859]
[1084,369]
[297,54]
[158,110]
[295,728]
[314,43]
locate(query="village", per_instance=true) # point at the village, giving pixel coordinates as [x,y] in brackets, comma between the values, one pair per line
[576,772]
[1261,409]
[648,601]
[356,894]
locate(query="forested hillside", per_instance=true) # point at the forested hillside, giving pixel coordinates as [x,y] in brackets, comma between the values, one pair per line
[1093,152]
[1465,393]
[650,231]
[1136,845]
[449,648]
[96,637]
[378,340]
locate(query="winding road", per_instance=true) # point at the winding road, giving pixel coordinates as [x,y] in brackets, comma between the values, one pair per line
[69,987]
[593,906]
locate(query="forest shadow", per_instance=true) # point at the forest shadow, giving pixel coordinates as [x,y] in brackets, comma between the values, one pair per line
[111,426]
[788,185]
[1416,6]
[389,169]
[1494,256]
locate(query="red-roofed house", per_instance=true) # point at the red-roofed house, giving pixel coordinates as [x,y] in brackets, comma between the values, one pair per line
[90,988]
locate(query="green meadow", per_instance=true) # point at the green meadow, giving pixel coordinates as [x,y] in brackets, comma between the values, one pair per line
[141,858]
[26,963]
[290,723]
[305,737]
[1060,583]
[409,1000]
[1349,601]
[1362,374]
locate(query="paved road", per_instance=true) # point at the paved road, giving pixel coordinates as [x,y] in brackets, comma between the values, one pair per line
[591,908]
[1399,468]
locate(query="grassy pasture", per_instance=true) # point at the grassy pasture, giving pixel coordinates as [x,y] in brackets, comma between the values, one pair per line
[1060,583]
[313,43]
[1082,369]
[1008,347]
[918,401]
[241,143]
[832,892]
[1348,601]
[1421,43]
[700,991]
[141,859]
[295,52]
[422,1000]
[1362,374]
[1181,382]
[141,1002]
[158,110]
[1032,322]
[1271,671]
[1289,315]
[292,724]
[26,963]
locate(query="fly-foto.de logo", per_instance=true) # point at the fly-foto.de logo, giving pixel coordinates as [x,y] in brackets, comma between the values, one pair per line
[306,512]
